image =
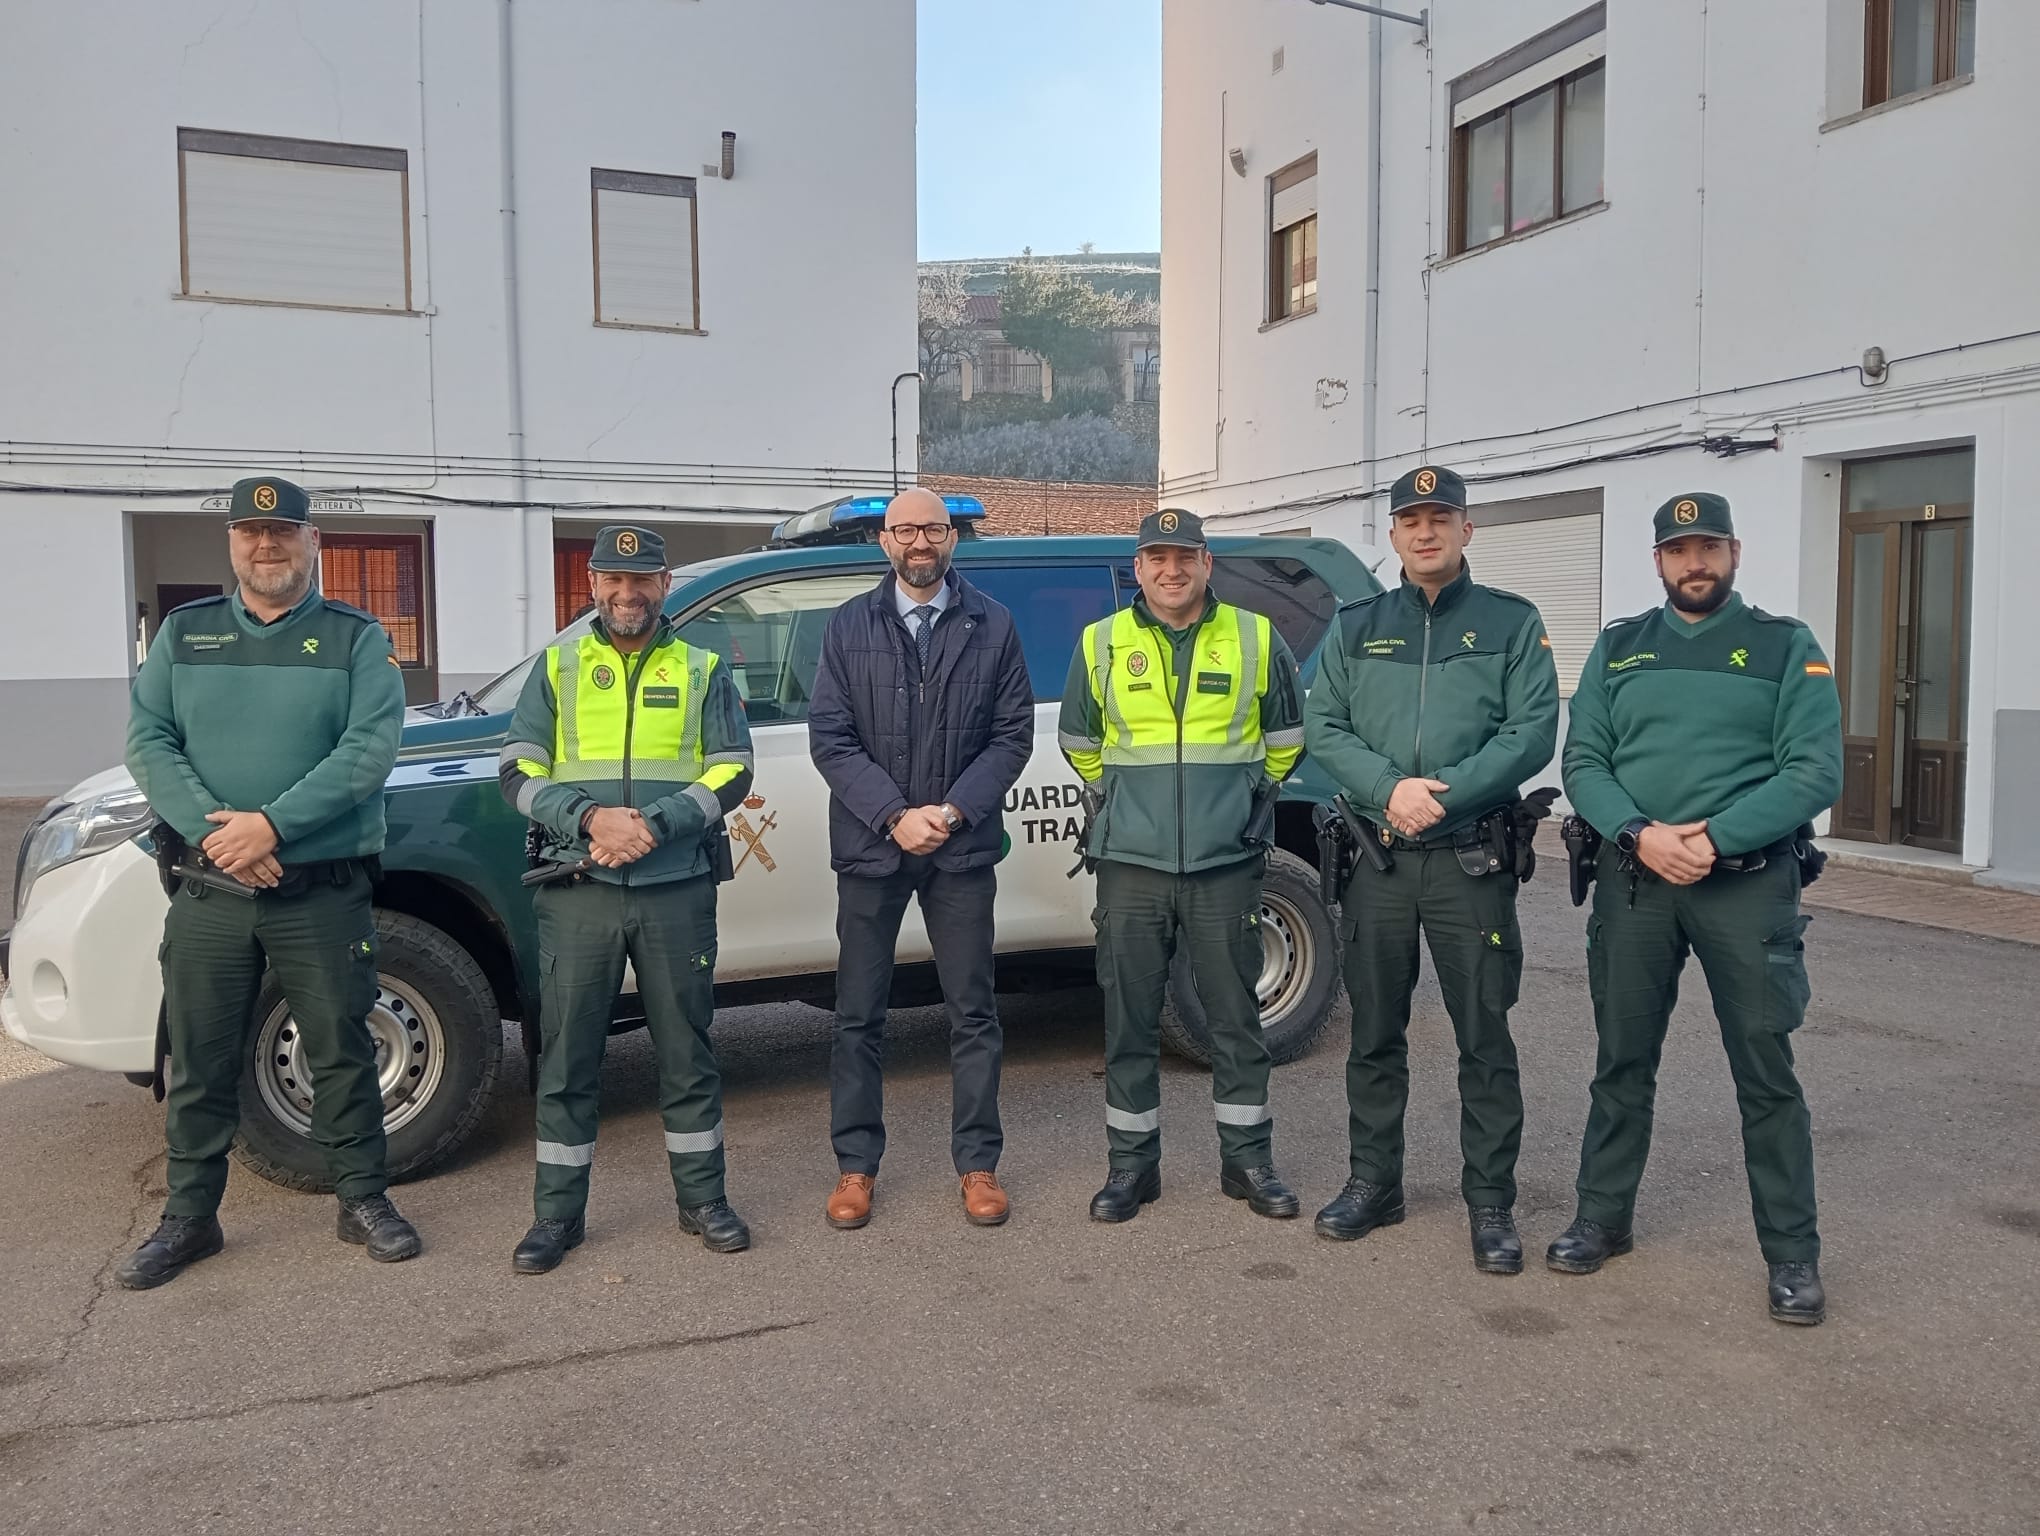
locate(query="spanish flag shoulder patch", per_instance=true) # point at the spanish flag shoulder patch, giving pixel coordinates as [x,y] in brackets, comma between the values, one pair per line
[1819,669]
[1545,641]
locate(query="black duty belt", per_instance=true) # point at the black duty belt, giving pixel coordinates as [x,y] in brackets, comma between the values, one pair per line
[1401,844]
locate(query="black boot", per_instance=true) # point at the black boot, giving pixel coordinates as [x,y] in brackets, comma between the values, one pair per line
[720,1229]
[1797,1295]
[176,1242]
[373,1222]
[1126,1191]
[1265,1194]
[1359,1208]
[1585,1246]
[1497,1248]
[546,1244]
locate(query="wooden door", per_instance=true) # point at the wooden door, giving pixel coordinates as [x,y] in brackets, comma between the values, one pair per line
[1902,668]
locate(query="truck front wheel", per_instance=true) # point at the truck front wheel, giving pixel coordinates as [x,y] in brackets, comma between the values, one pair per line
[438,1046]
[1299,986]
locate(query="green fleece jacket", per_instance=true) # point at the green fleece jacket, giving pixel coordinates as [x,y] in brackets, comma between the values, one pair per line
[1461,690]
[1734,720]
[298,719]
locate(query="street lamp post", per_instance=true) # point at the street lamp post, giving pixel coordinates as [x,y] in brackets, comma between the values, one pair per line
[896,383]
[1421,21]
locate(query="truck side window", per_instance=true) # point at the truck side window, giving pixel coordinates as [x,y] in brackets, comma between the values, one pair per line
[770,637]
[1051,604]
[1297,601]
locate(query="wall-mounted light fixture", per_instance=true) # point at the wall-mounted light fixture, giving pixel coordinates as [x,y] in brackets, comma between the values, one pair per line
[1875,369]
[729,156]
[1238,157]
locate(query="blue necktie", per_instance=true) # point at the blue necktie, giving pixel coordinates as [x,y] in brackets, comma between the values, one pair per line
[924,633]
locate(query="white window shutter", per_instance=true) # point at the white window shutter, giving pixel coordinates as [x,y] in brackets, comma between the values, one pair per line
[294,232]
[1293,204]
[647,259]
[1556,563]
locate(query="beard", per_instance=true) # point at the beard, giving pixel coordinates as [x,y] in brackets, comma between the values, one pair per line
[913,566]
[627,620]
[277,583]
[1704,600]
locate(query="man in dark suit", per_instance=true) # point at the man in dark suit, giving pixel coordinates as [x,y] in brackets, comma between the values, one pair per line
[922,718]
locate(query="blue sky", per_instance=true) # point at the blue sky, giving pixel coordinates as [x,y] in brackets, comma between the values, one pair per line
[1040,125]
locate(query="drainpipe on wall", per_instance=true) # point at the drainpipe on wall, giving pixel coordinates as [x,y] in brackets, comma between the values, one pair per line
[1370,386]
[513,350]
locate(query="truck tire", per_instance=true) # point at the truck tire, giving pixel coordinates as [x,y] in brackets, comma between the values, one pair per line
[1301,990]
[439,1045]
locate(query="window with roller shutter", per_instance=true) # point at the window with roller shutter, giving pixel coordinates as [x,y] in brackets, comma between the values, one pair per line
[1293,240]
[293,221]
[1547,549]
[647,267]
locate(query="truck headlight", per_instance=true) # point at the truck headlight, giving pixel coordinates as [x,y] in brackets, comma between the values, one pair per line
[66,833]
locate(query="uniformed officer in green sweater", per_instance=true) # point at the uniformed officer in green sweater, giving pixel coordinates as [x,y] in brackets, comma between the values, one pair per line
[628,748]
[1182,715]
[1704,737]
[1435,700]
[263,726]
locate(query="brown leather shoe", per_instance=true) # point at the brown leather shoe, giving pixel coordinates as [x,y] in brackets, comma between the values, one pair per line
[983,1201]
[850,1205]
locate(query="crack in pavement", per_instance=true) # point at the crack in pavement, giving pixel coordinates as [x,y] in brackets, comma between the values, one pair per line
[434,1379]
[102,1281]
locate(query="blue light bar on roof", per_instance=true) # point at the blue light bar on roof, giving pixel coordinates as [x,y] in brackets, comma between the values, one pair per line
[862,512]
[859,507]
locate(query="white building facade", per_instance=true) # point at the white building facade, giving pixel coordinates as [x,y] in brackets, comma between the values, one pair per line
[481,275]
[1594,256]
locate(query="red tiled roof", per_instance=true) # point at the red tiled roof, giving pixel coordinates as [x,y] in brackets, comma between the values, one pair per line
[981,308]
[1035,506]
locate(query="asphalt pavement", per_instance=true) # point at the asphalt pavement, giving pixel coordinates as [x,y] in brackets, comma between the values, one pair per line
[1197,1370]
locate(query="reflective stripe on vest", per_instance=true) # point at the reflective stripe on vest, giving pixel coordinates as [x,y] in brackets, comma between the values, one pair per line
[593,686]
[1131,678]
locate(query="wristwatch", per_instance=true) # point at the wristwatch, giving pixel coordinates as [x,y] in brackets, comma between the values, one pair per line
[1625,840]
[952,817]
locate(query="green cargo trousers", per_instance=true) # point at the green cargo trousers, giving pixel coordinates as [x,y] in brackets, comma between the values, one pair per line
[1218,913]
[321,943]
[1477,949]
[1748,931]
[586,931]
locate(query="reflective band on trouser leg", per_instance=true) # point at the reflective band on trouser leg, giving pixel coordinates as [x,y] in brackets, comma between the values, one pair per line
[1126,1120]
[560,1155]
[695,1141]
[1241,1114]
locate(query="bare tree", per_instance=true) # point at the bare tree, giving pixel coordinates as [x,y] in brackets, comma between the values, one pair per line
[948,338]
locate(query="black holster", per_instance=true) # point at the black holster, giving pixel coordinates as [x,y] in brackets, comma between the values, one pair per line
[1487,846]
[1582,851]
[1335,852]
[1260,828]
[1373,841]
[1812,860]
[1092,799]
[181,866]
[722,864]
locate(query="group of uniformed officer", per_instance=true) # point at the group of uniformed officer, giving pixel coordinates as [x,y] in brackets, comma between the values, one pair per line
[1704,736]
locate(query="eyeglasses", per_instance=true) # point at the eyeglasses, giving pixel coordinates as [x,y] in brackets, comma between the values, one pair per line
[934,533]
[256,532]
